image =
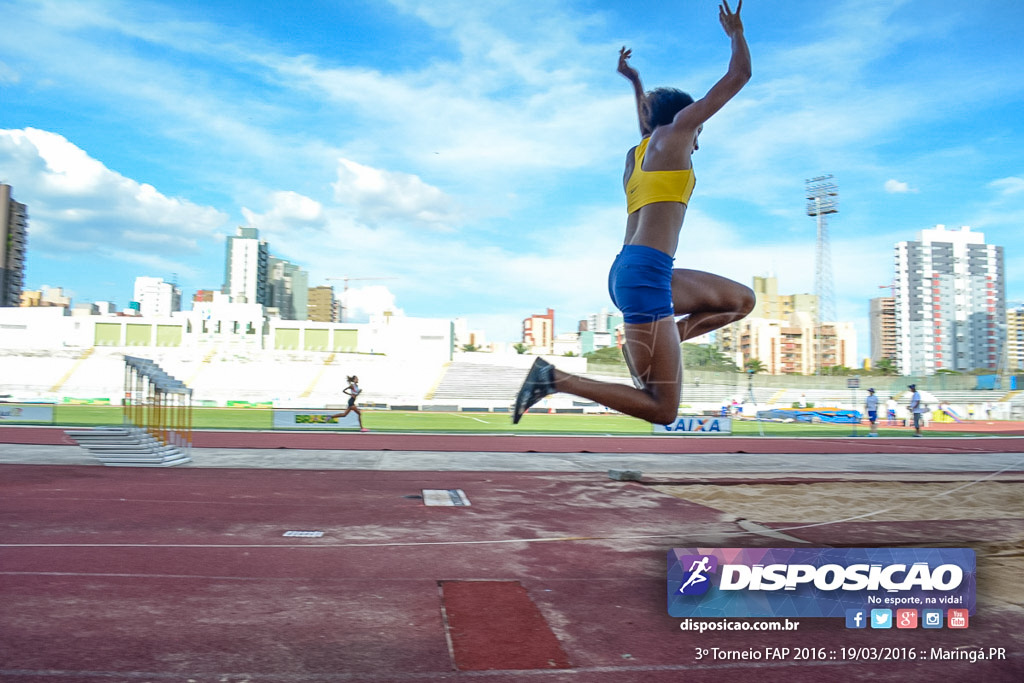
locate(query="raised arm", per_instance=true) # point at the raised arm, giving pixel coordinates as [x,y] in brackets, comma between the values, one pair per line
[731,83]
[638,90]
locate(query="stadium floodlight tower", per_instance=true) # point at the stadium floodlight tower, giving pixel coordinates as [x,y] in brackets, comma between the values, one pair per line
[822,199]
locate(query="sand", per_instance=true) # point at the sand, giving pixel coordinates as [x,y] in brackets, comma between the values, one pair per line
[1000,557]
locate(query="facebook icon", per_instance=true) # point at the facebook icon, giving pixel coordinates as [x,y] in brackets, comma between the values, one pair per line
[856,618]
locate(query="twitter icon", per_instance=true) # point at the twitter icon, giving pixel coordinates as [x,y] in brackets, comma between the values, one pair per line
[881,618]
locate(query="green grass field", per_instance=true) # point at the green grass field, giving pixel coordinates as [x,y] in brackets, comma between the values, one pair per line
[537,423]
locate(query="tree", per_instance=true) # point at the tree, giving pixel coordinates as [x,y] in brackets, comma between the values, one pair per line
[609,354]
[754,366]
[520,348]
[886,366]
[470,348]
[707,357]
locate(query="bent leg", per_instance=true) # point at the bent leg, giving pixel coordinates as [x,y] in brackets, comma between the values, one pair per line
[654,353]
[709,301]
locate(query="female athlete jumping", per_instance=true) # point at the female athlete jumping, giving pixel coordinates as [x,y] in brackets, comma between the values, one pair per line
[643,284]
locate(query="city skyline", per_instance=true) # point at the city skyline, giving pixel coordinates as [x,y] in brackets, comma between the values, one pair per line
[474,153]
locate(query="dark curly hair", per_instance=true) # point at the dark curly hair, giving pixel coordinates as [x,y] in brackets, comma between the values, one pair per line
[662,105]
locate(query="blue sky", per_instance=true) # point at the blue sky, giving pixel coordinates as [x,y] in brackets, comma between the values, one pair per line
[472,152]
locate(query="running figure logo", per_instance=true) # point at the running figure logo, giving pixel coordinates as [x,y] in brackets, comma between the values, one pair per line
[696,581]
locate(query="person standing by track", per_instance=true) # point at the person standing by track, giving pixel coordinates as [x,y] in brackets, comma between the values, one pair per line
[871,406]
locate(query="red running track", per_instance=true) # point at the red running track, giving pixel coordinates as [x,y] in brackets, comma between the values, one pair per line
[526,443]
[111,574]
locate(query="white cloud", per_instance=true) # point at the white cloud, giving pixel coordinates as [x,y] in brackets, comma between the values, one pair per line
[289,212]
[78,204]
[362,302]
[379,196]
[8,76]
[893,186]
[1008,186]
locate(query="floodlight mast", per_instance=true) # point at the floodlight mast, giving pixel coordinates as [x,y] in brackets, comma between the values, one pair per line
[822,199]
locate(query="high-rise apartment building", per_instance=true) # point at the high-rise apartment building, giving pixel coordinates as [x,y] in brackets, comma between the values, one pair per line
[321,305]
[882,321]
[156,298]
[950,302]
[600,330]
[13,243]
[779,332]
[287,289]
[246,268]
[770,304]
[788,346]
[1015,339]
[539,332]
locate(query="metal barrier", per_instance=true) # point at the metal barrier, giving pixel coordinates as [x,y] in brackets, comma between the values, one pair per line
[157,417]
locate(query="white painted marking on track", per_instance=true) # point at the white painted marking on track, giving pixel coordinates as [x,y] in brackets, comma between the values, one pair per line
[555,539]
[470,417]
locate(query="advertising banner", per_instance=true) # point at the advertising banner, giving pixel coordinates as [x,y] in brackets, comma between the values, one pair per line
[697,425]
[36,414]
[314,419]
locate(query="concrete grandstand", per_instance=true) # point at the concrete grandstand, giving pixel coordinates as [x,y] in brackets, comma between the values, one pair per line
[471,381]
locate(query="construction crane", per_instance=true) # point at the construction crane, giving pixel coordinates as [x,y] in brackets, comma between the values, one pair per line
[345,280]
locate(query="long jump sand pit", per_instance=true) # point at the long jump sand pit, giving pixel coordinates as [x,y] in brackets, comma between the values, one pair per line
[931,510]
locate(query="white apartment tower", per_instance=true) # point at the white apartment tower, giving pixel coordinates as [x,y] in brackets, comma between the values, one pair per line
[156,298]
[950,302]
[246,268]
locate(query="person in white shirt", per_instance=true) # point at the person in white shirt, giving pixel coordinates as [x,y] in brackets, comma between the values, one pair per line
[871,406]
[890,406]
[917,408]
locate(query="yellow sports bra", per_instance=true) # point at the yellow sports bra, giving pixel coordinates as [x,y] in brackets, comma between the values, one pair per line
[648,187]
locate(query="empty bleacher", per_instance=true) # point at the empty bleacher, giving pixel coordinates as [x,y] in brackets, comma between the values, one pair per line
[475,381]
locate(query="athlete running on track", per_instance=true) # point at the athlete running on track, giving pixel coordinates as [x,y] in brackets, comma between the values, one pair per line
[353,392]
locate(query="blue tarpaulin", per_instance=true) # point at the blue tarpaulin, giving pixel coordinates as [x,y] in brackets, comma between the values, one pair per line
[811,415]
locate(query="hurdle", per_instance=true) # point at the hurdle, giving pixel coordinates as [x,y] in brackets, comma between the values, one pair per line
[156,426]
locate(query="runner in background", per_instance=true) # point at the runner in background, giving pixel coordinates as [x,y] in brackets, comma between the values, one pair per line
[353,392]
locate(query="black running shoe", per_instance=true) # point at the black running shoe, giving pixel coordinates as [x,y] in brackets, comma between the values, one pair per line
[540,382]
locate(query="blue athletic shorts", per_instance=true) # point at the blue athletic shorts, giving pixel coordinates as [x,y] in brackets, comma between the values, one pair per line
[640,284]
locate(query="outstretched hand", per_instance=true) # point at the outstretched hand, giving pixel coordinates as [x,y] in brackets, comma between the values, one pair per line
[731,21]
[624,68]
